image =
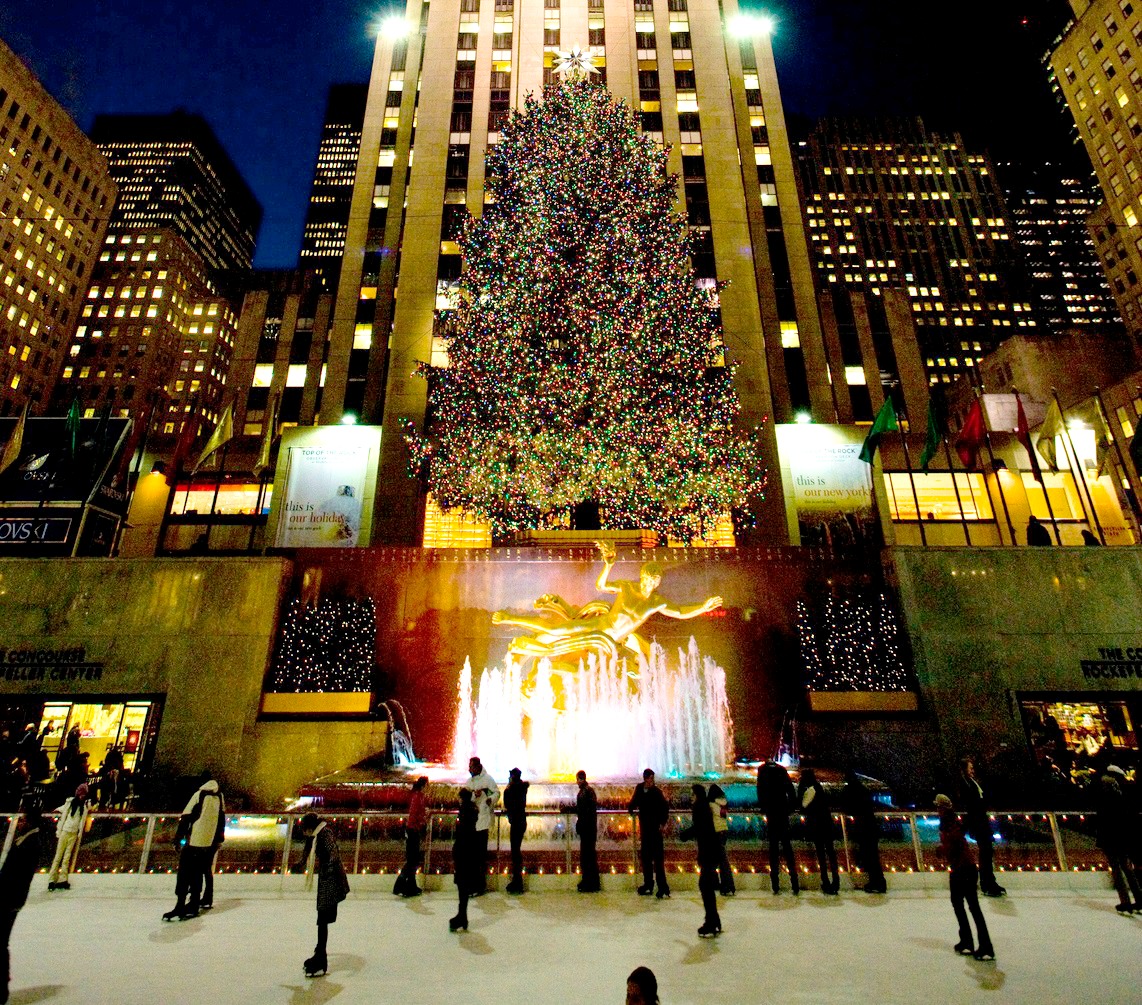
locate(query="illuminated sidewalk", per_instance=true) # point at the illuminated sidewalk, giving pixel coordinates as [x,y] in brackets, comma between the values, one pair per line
[103,943]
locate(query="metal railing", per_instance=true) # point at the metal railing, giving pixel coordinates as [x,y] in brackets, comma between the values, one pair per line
[373,843]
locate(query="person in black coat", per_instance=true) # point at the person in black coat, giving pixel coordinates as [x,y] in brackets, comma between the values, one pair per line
[857,803]
[332,885]
[974,807]
[587,827]
[814,802]
[515,805]
[776,799]
[653,814]
[709,858]
[464,859]
[16,880]
[1116,831]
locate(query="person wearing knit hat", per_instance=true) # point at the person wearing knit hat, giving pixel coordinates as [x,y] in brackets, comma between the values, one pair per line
[963,876]
[72,816]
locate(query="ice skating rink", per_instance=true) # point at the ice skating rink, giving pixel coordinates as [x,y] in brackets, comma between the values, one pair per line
[104,942]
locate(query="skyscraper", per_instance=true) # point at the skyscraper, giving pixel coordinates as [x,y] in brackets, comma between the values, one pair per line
[55,199]
[702,78]
[1097,66]
[331,196]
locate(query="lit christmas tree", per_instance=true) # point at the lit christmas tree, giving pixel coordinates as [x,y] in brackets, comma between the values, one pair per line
[584,362]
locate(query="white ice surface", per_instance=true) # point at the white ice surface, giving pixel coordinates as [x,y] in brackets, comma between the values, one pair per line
[91,947]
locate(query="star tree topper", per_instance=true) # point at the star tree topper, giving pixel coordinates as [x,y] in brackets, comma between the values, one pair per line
[574,64]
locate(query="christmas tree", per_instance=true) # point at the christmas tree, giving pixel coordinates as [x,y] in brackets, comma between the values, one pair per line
[585,364]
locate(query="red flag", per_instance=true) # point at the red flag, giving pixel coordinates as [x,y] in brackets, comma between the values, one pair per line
[1023,435]
[186,440]
[971,436]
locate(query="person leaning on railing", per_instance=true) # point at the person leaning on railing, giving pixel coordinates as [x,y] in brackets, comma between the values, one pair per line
[415,828]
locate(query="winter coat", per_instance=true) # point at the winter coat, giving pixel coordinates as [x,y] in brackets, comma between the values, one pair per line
[515,801]
[651,806]
[776,797]
[485,795]
[204,820]
[587,810]
[71,817]
[953,843]
[719,808]
[973,804]
[19,867]
[1116,824]
[815,807]
[464,848]
[417,819]
[332,883]
[701,830]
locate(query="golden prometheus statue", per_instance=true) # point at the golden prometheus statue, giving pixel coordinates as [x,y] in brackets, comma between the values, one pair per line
[600,627]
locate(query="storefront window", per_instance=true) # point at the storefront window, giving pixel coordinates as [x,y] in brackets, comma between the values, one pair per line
[1065,503]
[233,498]
[1067,736]
[101,727]
[937,495]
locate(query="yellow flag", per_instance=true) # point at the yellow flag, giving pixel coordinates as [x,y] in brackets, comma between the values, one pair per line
[269,431]
[1052,427]
[15,442]
[223,434]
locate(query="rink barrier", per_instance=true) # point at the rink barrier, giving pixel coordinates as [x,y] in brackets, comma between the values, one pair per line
[372,843]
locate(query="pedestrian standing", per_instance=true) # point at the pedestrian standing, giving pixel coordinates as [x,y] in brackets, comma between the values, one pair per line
[819,821]
[485,795]
[858,804]
[962,880]
[776,799]
[465,849]
[515,806]
[323,859]
[653,811]
[642,987]
[979,827]
[587,827]
[415,827]
[719,808]
[200,830]
[1116,831]
[709,856]
[16,879]
[69,827]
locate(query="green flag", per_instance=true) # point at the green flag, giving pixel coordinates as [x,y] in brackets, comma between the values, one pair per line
[885,423]
[71,427]
[935,432]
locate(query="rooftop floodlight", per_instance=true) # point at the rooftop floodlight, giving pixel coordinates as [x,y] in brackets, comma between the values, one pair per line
[803,418]
[395,27]
[750,26]
[348,419]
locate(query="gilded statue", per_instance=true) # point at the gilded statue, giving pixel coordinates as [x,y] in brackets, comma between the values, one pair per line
[600,627]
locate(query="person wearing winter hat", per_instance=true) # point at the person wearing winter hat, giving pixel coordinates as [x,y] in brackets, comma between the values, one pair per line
[69,827]
[962,880]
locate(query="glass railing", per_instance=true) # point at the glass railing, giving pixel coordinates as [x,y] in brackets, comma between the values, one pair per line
[373,843]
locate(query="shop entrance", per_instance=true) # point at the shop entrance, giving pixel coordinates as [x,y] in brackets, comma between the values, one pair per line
[127,724]
[1069,732]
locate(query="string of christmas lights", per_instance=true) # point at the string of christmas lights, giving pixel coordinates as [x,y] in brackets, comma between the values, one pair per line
[851,644]
[330,647]
[584,362]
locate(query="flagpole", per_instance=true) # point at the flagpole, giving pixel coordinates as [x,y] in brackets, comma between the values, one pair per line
[217,489]
[257,509]
[1035,469]
[1077,469]
[912,482]
[956,489]
[1118,450]
[995,471]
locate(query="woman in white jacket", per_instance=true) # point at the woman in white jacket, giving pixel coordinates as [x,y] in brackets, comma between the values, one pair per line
[72,816]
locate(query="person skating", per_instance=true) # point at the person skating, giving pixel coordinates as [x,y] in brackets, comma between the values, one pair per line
[465,849]
[485,795]
[16,880]
[653,814]
[415,825]
[587,827]
[1116,826]
[962,879]
[776,798]
[719,808]
[642,987]
[69,827]
[814,803]
[858,803]
[701,830]
[324,861]
[515,806]
[974,804]
[200,830]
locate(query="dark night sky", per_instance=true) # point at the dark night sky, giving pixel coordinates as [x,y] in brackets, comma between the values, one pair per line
[258,71]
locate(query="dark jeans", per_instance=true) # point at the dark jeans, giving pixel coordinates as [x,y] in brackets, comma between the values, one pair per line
[653,860]
[515,833]
[868,854]
[779,843]
[208,877]
[725,870]
[480,863]
[193,864]
[7,920]
[962,887]
[1124,872]
[980,830]
[827,861]
[588,862]
[708,885]
[413,859]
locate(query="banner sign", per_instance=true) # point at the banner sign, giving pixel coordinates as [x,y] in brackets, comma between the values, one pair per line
[325,487]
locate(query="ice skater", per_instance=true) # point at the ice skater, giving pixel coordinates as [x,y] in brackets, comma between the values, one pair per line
[515,806]
[587,827]
[653,814]
[200,831]
[701,830]
[464,863]
[16,879]
[69,827]
[719,809]
[819,820]
[962,883]
[485,795]
[776,798]
[324,860]
[974,802]
[415,825]
[642,987]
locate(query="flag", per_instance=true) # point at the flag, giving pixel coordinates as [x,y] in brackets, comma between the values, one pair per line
[186,438]
[1023,435]
[971,436]
[223,434]
[15,442]
[269,431]
[71,427]
[885,422]
[935,430]
[1052,427]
